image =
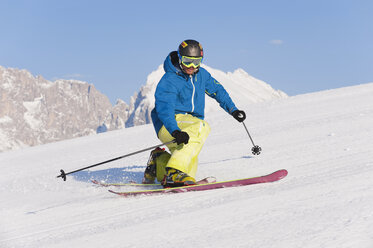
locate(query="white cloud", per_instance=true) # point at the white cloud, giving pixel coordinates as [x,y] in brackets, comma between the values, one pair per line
[74,75]
[276,42]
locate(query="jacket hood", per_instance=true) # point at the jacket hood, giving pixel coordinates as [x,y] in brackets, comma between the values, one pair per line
[171,63]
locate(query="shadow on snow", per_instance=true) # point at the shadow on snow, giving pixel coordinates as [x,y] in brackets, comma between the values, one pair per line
[126,174]
[112,175]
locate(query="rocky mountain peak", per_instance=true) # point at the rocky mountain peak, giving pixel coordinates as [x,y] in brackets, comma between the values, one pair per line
[35,111]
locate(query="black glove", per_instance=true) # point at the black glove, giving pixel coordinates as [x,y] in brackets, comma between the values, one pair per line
[180,136]
[239,115]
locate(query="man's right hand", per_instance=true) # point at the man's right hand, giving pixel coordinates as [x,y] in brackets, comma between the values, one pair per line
[180,137]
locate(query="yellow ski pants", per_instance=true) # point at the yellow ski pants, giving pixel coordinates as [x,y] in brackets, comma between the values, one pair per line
[183,157]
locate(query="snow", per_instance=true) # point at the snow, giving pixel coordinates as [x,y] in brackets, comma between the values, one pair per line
[33,109]
[323,139]
[7,79]
[5,119]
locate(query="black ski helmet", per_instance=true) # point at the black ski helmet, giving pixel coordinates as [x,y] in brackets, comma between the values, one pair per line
[190,48]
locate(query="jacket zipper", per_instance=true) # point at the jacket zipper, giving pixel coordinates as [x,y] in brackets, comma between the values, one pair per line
[191,80]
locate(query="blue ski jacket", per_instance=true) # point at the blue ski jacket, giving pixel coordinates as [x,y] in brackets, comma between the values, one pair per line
[179,93]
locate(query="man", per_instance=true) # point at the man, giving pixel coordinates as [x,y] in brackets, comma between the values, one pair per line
[179,115]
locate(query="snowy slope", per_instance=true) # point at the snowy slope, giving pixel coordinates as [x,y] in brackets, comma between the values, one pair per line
[323,139]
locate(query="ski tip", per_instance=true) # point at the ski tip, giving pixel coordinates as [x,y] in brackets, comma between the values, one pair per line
[282,173]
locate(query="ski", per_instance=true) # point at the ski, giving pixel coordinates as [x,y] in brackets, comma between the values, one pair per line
[275,176]
[202,181]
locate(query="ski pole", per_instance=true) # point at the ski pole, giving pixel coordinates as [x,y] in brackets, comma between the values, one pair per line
[256,149]
[63,174]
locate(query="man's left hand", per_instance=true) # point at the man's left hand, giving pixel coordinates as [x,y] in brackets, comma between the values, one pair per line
[239,115]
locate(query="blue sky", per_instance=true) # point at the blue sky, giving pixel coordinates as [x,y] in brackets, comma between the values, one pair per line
[295,46]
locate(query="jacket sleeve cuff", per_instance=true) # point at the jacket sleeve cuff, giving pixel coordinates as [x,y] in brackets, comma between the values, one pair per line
[232,110]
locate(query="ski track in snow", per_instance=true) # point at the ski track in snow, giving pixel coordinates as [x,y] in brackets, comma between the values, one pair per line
[323,139]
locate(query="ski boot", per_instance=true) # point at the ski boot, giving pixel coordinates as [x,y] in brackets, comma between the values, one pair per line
[150,173]
[176,178]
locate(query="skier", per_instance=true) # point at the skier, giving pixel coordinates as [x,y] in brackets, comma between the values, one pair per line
[179,115]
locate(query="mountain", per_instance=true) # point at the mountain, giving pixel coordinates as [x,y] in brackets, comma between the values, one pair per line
[242,88]
[323,139]
[36,111]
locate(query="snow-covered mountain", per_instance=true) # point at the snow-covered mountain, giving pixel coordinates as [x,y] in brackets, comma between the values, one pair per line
[242,88]
[323,139]
[36,111]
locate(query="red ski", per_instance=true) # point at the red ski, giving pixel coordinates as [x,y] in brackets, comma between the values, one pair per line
[275,176]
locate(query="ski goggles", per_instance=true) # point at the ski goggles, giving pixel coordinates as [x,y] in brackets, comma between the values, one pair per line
[191,61]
